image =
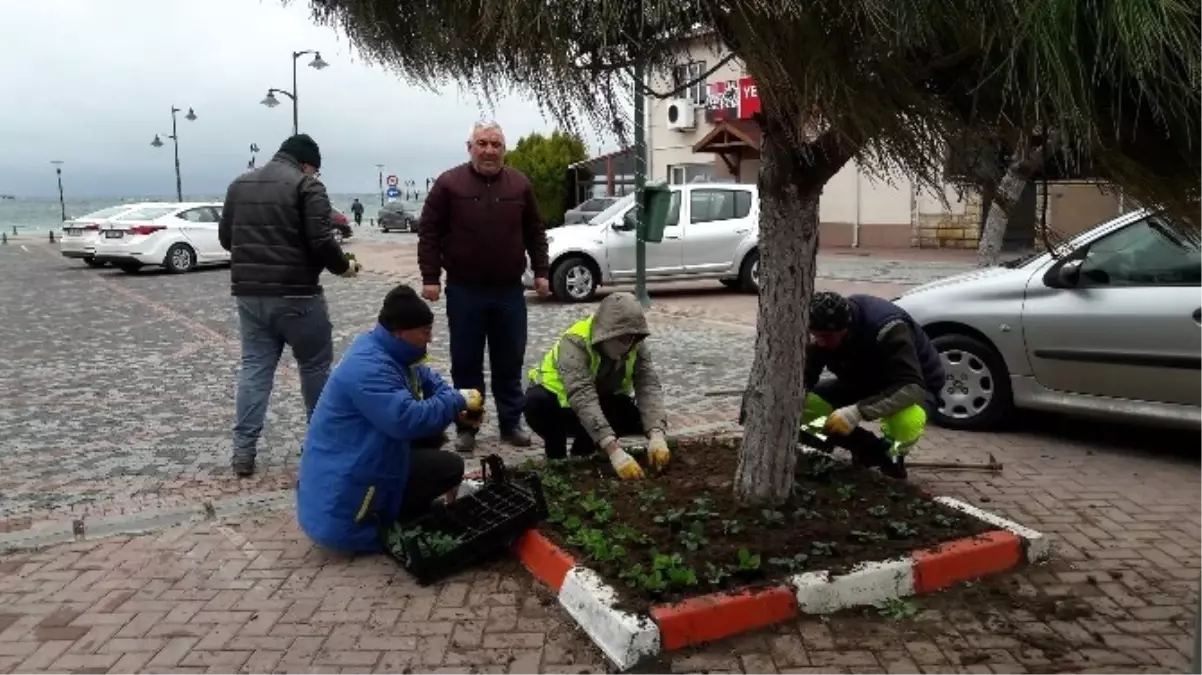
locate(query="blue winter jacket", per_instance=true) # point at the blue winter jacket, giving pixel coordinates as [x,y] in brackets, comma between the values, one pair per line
[356,457]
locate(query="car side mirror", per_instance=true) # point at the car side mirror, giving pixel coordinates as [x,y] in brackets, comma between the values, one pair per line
[626,224]
[1069,274]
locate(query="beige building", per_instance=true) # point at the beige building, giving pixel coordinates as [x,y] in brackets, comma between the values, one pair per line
[706,134]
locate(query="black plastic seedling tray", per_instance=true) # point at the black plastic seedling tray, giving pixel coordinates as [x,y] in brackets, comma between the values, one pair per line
[456,536]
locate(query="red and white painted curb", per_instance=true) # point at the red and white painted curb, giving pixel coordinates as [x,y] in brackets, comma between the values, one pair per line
[627,638]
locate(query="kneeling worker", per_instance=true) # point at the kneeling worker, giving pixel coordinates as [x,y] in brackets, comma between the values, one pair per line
[362,466]
[598,383]
[885,369]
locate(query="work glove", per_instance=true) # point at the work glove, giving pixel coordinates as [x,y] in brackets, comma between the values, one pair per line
[471,419]
[625,465]
[844,420]
[352,270]
[657,449]
[473,399]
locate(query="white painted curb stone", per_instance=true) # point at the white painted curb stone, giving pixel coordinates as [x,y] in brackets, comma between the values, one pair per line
[1037,546]
[624,638]
[869,584]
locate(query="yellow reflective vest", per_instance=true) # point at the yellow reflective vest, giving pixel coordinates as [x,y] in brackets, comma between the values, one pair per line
[547,373]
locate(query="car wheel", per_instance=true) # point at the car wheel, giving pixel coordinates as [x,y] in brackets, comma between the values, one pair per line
[180,258]
[129,268]
[733,284]
[92,262]
[574,280]
[749,273]
[976,390]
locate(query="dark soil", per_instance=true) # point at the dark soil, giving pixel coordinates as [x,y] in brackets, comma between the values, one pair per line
[681,533]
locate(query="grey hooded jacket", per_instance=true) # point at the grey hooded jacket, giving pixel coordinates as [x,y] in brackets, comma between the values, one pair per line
[618,314]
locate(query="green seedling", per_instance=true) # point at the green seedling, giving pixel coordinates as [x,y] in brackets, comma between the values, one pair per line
[650,497]
[671,518]
[878,511]
[633,575]
[791,563]
[943,520]
[599,507]
[820,548]
[572,523]
[894,494]
[748,562]
[432,544]
[731,527]
[918,507]
[702,508]
[555,514]
[682,576]
[803,494]
[820,468]
[716,575]
[597,546]
[867,537]
[622,532]
[772,518]
[806,514]
[845,491]
[694,537]
[842,514]
[897,609]
[901,529]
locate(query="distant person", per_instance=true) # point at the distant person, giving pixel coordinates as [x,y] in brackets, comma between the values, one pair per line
[479,222]
[357,212]
[597,383]
[367,462]
[276,226]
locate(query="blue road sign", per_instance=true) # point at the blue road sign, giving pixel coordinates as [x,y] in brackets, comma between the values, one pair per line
[393,192]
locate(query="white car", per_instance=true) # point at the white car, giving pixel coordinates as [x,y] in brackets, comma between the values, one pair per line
[78,240]
[179,237]
[712,233]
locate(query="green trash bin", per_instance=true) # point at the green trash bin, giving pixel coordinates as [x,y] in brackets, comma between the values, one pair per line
[657,201]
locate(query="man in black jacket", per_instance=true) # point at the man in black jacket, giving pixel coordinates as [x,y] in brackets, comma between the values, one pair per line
[276,225]
[885,369]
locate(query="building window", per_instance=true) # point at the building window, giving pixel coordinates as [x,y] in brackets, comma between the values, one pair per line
[679,174]
[686,73]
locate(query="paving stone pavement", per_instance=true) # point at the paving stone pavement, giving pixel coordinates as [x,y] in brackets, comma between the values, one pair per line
[115,393]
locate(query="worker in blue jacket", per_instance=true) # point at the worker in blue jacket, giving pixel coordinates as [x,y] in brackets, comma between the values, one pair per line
[361,466]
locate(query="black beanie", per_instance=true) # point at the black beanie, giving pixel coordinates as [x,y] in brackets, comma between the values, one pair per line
[303,149]
[403,310]
[829,312]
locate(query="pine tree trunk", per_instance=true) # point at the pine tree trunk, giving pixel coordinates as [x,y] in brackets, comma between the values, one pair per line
[773,398]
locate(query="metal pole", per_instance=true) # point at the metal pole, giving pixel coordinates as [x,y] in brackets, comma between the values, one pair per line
[295,105]
[380,168]
[640,180]
[62,204]
[179,185]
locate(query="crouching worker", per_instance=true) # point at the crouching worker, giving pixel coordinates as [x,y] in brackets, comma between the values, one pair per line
[598,383]
[362,464]
[885,369]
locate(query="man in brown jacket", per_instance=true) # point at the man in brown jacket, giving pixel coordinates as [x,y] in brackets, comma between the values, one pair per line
[479,223]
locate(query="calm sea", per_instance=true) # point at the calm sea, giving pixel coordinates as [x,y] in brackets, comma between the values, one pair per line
[33,214]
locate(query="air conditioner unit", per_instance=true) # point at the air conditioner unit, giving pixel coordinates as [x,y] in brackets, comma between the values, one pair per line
[681,115]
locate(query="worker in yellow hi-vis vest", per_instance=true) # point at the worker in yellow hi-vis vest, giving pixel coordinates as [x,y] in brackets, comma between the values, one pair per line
[597,383]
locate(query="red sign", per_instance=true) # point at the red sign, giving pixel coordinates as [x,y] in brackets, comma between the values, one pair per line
[731,100]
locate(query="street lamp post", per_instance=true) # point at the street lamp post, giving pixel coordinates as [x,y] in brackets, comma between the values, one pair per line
[271,101]
[158,143]
[58,170]
[380,169]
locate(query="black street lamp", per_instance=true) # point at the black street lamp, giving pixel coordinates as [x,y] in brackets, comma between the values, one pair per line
[58,169]
[271,101]
[158,143]
[380,168]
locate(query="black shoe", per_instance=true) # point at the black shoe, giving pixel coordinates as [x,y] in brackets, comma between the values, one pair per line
[465,442]
[244,467]
[518,438]
[895,468]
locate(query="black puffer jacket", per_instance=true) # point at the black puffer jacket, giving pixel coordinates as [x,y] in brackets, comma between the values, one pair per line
[276,226]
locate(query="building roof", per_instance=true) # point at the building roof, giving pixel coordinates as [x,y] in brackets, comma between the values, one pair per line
[730,135]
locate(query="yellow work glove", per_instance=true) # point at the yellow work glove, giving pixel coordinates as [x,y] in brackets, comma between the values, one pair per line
[657,449]
[352,270]
[844,420]
[471,419]
[473,398]
[625,465]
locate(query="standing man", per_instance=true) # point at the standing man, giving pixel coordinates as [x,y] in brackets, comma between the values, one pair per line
[357,211]
[276,226]
[479,223]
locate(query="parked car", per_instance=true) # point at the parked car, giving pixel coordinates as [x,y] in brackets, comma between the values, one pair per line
[397,216]
[78,240]
[342,226]
[1108,327]
[712,233]
[584,212]
[178,237]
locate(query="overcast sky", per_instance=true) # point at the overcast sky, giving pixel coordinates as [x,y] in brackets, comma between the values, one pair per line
[90,82]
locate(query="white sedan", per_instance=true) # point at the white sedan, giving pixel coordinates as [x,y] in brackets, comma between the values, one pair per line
[78,240]
[178,237]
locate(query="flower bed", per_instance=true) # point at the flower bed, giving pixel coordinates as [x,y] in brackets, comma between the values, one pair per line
[681,534]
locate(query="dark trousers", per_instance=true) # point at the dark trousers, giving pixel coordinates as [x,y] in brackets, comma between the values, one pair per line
[358,218]
[865,446]
[555,424]
[432,473]
[495,315]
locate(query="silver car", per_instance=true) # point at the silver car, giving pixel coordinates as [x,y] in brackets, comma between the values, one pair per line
[1109,328]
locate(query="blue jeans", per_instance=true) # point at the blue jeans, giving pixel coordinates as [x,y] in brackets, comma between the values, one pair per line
[496,315]
[267,323]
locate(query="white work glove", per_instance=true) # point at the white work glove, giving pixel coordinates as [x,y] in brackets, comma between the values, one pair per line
[473,399]
[844,420]
[657,449]
[624,464]
[352,270]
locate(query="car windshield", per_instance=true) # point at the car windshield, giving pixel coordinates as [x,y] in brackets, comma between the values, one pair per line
[613,210]
[105,214]
[149,213]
